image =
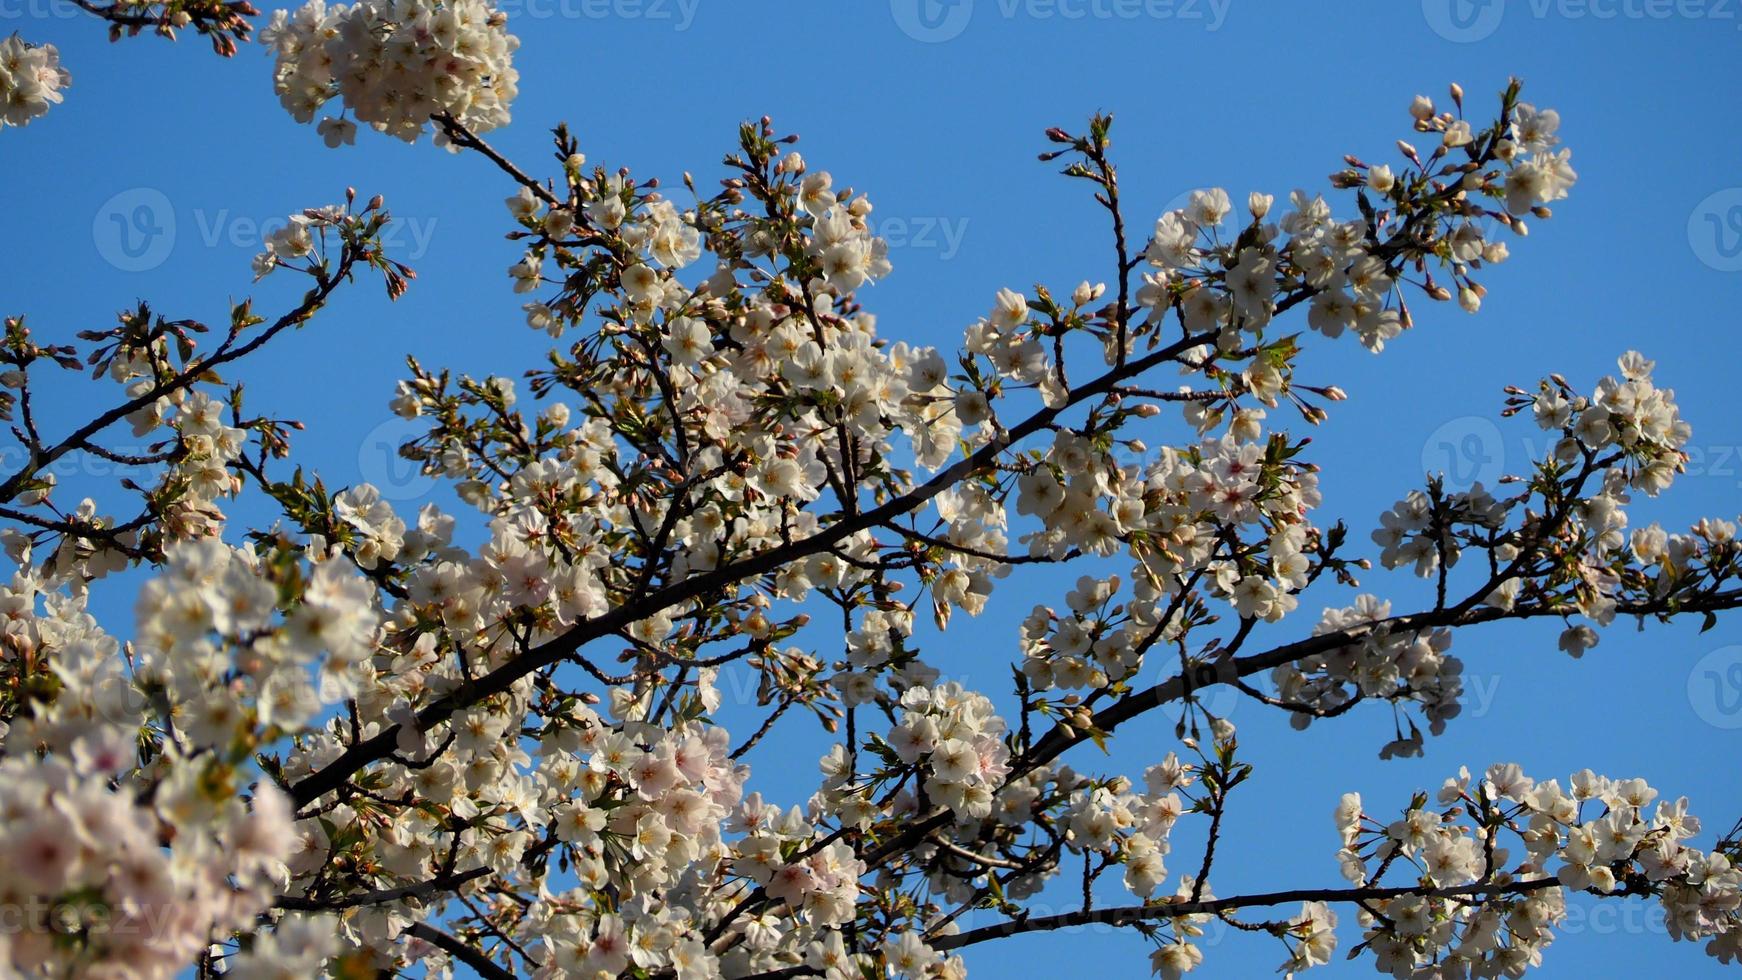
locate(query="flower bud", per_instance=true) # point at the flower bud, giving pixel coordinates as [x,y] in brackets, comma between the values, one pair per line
[1469,299]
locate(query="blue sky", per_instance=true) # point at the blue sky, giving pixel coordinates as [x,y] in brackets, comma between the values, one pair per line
[937,112]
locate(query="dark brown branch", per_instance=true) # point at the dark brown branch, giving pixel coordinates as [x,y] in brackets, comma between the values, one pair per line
[418,890]
[312,301]
[473,958]
[1133,914]
[1128,914]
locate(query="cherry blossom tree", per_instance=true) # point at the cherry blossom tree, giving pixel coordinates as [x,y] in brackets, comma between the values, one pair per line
[347,743]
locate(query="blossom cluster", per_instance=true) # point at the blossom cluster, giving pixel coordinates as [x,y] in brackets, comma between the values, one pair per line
[1113,819]
[208,622]
[957,736]
[97,892]
[1088,647]
[126,848]
[1593,834]
[1397,665]
[31,79]
[394,65]
[1628,414]
[1628,430]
